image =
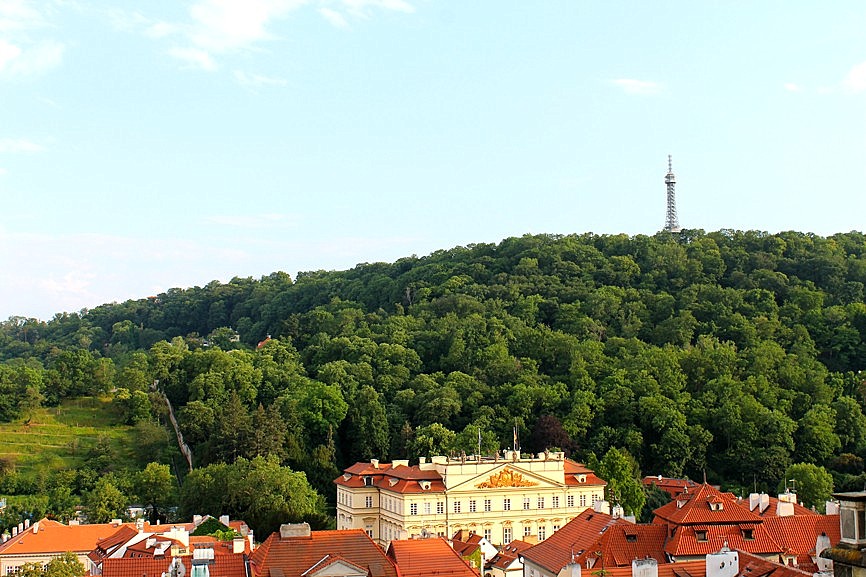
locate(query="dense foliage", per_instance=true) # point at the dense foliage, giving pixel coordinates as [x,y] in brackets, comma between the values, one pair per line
[729,354]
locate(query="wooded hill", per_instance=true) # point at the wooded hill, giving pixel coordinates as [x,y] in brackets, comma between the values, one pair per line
[731,354]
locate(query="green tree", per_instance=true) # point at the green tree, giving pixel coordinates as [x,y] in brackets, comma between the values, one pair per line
[813,483]
[434,439]
[105,502]
[620,471]
[66,565]
[156,487]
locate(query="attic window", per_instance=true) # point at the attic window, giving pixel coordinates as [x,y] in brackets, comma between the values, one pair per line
[393,482]
[701,535]
[368,481]
[581,478]
[716,506]
[347,476]
[749,534]
[631,538]
[424,484]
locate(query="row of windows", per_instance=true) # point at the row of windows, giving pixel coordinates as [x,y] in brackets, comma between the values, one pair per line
[394,505]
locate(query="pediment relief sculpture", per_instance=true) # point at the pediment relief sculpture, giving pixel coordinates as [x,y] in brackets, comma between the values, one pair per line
[506,478]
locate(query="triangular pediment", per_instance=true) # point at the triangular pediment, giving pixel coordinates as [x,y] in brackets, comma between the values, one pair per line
[508,475]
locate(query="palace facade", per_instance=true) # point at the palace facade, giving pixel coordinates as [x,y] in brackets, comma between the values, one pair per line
[499,498]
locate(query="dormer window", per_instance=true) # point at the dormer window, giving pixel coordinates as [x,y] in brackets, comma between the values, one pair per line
[632,538]
[347,476]
[425,485]
[716,506]
[749,534]
[368,481]
[701,535]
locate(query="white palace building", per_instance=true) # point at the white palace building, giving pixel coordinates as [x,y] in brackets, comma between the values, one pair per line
[499,498]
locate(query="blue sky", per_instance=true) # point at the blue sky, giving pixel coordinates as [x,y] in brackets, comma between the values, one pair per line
[150,145]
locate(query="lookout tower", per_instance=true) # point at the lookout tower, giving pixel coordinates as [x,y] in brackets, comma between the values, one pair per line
[671,222]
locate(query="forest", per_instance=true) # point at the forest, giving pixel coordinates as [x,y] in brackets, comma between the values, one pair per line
[731,356]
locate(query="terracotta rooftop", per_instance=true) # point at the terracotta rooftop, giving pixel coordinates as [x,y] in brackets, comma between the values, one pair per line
[624,542]
[222,566]
[508,554]
[670,485]
[577,535]
[704,505]
[425,557]
[49,536]
[797,534]
[684,569]
[294,556]
[688,542]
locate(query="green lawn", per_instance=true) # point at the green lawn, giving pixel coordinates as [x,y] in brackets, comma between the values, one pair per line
[59,437]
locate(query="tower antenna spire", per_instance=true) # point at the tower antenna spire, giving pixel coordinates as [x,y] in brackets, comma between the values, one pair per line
[671,222]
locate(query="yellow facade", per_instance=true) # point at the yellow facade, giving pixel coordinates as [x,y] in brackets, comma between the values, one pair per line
[499,499]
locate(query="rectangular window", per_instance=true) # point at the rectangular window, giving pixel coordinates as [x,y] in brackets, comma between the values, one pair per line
[456,506]
[555,528]
[527,531]
[525,503]
[427,508]
[488,506]
[541,502]
[472,507]
[583,500]
[440,507]
[506,535]
[368,501]
[542,533]
[413,508]
[555,500]
[488,534]
[569,501]
[506,504]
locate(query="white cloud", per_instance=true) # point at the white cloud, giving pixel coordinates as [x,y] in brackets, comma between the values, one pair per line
[19,145]
[257,80]
[855,81]
[195,57]
[218,28]
[634,86]
[334,17]
[21,52]
[793,87]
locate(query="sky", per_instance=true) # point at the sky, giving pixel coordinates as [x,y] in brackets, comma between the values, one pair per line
[152,145]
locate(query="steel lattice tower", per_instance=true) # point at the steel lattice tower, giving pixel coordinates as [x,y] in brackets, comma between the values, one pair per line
[671,222]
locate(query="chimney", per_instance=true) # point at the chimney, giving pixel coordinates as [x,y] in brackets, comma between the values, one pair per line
[764,502]
[601,507]
[224,519]
[238,545]
[139,524]
[35,527]
[784,509]
[14,531]
[725,563]
[831,508]
[648,567]
[754,499]
[116,522]
[196,520]
[570,570]
[26,523]
[821,543]
[400,463]
[422,460]
[375,463]
[20,527]
[288,530]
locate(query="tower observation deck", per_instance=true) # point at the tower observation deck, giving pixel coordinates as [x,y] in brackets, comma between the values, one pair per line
[671,222]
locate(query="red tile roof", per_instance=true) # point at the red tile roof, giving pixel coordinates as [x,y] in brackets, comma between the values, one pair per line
[684,569]
[49,536]
[222,566]
[292,556]
[693,507]
[671,486]
[754,566]
[797,534]
[772,511]
[624,542]
[685,542]
[508,554]
[576,536]
[424,557]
